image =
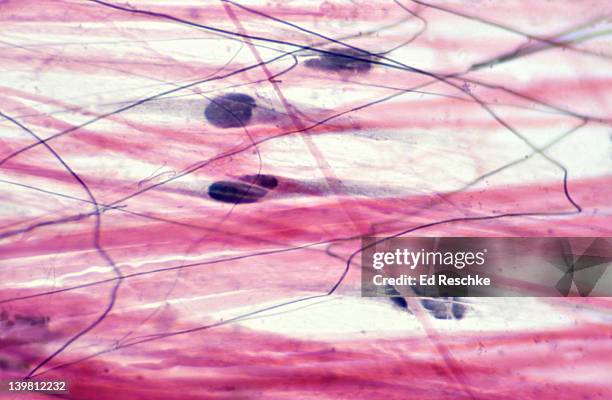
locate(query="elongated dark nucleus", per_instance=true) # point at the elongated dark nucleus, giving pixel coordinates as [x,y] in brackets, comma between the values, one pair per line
[399,301]
[342,60]
[458,309]
[263,180]
[235,192]
[230,110]
[439,308]
[445,307]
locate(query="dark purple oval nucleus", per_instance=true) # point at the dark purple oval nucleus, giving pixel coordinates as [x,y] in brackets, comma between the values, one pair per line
[230,110]
[342,60]
[263,180]
[235,192]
